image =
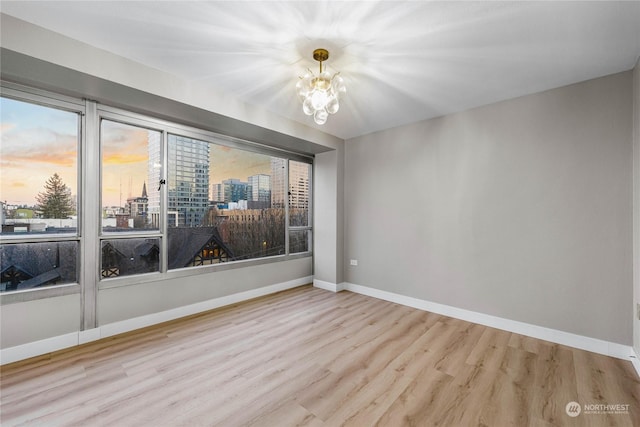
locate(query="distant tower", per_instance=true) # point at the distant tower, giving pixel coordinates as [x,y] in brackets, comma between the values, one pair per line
[138,208]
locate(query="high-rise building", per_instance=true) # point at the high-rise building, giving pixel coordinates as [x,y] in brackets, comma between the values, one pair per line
[234,190]
[278,182]
[299,185]
[259,191]
[188,181]
[217,193]
[298,192]
[154,169]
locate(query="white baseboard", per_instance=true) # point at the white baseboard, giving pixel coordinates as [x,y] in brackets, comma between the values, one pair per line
[594,345]
[187,310]
[89,335]
[37,348]
[328,286]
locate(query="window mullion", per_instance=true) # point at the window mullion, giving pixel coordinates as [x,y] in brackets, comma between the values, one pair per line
[164,242]
[287,193]
[90,208]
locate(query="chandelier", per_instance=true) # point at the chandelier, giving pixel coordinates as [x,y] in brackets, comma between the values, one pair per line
[320,94]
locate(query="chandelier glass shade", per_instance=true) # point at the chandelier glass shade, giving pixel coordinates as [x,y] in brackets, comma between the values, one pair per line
[320,95]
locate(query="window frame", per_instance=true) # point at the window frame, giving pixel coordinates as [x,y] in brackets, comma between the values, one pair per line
[76,106]
[309,227]
[89,234]
[140,123]
[168,127]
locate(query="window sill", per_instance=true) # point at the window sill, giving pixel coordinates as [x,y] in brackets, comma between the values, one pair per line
[194,271]
[13,297]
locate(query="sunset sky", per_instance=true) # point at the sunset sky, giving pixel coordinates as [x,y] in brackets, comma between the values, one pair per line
[125,162]
[35,143]
[39,141]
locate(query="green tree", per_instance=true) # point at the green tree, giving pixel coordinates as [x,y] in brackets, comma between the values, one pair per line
[55,201]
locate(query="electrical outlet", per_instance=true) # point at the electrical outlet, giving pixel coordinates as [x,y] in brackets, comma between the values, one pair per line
[354,262]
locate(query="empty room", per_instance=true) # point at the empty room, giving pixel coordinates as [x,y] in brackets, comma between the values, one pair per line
[305,213]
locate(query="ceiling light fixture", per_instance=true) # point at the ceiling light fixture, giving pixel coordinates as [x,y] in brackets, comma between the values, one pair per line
[320,94]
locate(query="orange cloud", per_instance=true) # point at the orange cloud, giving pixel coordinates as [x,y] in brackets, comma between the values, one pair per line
[6,127]
[221,148]
[124,158]
[58,158]
[124,144]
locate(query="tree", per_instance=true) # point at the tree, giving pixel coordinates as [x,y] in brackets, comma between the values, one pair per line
[55,201]
[255,237]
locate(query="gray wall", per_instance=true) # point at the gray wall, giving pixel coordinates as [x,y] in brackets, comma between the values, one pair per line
[636,207]
[328,214]
[127,302]
[520,209]
[30,321]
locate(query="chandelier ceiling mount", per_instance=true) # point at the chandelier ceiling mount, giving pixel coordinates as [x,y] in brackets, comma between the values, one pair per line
[320,94]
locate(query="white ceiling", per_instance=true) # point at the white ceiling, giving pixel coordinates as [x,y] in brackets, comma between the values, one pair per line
[402,61]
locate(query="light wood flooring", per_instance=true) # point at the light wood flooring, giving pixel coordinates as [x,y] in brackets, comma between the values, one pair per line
[312,357]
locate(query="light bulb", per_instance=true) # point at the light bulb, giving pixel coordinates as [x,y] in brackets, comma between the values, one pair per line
[319,99]
[323,81]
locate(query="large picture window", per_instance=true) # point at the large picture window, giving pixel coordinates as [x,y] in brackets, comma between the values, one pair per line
[159,197]
[39,195]
[224,203]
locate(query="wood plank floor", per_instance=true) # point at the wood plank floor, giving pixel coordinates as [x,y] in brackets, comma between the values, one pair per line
[312,357]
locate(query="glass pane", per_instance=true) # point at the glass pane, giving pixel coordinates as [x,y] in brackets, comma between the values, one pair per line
[124,257]
[241,217]
[299,241]
[36,265]
[39,173]
[131,169]
[299,193]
